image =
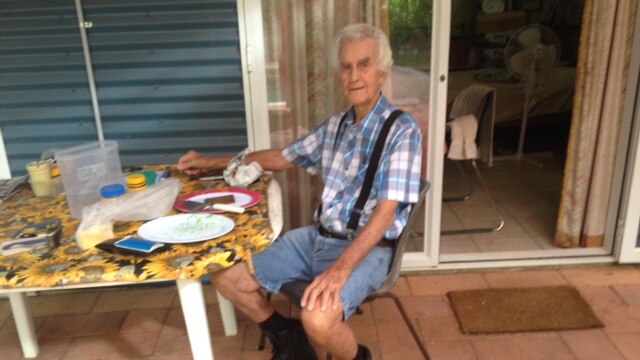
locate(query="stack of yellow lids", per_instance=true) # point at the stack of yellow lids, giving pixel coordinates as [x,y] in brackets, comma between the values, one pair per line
[136,182]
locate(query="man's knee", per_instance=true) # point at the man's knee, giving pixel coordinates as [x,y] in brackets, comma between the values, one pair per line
[236,279]
[321,324]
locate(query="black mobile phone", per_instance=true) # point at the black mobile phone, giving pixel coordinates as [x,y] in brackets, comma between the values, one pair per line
[132,245]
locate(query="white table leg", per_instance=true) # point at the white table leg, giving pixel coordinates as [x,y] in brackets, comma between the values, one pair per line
[24,324]
[195,317]
[228,315]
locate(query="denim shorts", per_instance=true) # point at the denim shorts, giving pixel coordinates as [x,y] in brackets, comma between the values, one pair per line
[303,254]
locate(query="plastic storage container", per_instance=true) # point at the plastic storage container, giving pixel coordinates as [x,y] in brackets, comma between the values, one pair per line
[85,169]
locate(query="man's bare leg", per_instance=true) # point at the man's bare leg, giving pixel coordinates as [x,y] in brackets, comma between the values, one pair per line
[327,331]
[243,290]
[238,286]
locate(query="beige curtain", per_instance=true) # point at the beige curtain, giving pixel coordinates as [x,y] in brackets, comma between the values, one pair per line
[302,88]
[603,65]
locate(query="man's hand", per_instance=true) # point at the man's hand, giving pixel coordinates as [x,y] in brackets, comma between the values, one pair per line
[193,163]
[324,291]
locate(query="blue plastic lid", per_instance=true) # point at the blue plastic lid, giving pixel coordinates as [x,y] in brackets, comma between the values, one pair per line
[112,191]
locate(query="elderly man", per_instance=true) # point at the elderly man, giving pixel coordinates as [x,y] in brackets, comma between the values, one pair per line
[344,266]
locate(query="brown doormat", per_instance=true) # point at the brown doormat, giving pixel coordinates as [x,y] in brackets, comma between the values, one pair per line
[522,309]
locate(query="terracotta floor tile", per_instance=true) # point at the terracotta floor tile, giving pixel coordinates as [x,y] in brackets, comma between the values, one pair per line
[590,344]
[10,350]
[602,275]
[228,347]
[255,354]
[52,348]
[363,325]
[111,346]
[512,279]
[147,321]
[451,349]
[159,333]
[630,294]
[440,284]
[252,338]
[209,292]
[628,344]
[133,298]
[402,287]
[439,328]
[427,306]
[172,356]
[81,324]
[173,337]
[383,309]
[521,347]
[70,303]
[611,309]
[5,310]
[395,341]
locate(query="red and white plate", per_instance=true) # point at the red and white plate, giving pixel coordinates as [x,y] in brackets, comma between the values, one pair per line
[243,198]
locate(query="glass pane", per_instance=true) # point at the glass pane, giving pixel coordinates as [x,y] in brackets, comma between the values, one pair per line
[303,89]
[408,87]
[511,63]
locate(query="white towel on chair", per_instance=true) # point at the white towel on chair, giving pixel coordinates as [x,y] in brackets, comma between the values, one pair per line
[463,138]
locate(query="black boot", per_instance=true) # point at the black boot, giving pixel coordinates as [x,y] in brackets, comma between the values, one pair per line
[363,353]
[291,344]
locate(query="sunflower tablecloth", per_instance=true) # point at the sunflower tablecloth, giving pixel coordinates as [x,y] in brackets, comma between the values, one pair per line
[68,264]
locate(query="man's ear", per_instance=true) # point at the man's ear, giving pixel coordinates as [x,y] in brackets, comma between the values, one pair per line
[383,76]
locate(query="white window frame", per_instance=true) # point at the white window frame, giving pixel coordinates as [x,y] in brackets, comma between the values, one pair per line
[435,152]
[254,78]
[628,221]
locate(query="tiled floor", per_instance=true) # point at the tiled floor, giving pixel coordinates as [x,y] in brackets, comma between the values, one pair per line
[147,323]
[527,196]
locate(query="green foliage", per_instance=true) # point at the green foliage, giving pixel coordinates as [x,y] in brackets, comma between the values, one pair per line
[410,20]
[410,32]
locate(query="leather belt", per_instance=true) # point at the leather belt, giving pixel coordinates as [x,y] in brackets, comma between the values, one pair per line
[384,242]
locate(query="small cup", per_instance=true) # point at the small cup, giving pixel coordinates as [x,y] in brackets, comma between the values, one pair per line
[40,177]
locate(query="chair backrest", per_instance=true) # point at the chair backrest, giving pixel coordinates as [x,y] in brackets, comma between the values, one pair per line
[394,269]
[478,100]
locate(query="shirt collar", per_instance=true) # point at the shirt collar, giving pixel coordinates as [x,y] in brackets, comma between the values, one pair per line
[374,115]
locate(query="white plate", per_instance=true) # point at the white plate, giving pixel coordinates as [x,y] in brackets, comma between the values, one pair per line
[185,228]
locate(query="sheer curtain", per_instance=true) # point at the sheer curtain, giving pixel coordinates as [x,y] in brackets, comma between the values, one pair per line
[302,87]
[603,64]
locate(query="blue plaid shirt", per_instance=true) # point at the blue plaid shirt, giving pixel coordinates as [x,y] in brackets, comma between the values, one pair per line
[343,170]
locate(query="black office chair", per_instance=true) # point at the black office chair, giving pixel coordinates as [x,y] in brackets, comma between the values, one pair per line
[295,289]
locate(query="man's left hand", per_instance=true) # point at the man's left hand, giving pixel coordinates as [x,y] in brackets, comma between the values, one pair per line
[324,291]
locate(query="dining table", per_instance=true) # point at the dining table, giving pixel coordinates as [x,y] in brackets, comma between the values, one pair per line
[66,265]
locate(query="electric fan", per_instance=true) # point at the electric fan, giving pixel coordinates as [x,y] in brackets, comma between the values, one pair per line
[531,52]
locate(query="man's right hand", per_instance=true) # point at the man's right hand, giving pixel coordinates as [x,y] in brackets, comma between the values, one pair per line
[193,163]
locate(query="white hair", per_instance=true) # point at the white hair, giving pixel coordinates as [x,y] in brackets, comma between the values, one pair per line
[362,31]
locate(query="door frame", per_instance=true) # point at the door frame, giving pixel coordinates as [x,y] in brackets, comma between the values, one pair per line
[627,246]
[435,139]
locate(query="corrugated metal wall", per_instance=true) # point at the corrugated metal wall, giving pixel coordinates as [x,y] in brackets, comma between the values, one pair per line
[168,78]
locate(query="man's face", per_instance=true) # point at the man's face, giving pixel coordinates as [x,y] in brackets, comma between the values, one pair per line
[360,73]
